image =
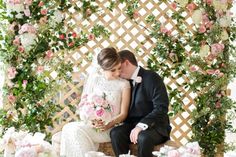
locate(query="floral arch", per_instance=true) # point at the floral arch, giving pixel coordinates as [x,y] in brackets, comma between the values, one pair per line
[47,47]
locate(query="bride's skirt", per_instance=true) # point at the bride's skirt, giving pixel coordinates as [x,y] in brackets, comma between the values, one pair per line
[77,138]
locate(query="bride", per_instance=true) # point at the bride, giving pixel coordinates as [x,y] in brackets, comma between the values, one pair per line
[110,97]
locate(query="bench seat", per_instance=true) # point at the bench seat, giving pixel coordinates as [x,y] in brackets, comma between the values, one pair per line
[107,147]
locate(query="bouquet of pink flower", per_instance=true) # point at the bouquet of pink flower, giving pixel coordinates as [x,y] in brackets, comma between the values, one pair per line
[95,107]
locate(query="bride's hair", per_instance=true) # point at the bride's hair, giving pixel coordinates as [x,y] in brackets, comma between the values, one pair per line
[108,58]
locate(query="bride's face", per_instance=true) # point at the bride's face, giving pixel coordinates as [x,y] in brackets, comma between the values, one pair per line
[114,73]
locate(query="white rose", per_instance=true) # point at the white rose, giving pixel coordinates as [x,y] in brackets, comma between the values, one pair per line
[182,3]
[219,5]
[197,17]
[225,21]
[28,40]
[18,8]
[57,17]
[15,7]
[204,51]
[224,35]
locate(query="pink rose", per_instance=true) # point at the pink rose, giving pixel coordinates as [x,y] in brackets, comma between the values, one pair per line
[193,68]
[49,54]
[28,2]
[11,72]
[74,35]
[21,49]
[16,41]
[210,71]
[191,6]
[163,29]
[221,74]
[70,44]
[11,98]
[173,5]
[136,14]
[91,37]
[210,57]
[24,83]
[217,71]
[100,111]
[40,69]
[44,11]
[218,104]
[202,29]
[88,12]
[62,36]
[27,12]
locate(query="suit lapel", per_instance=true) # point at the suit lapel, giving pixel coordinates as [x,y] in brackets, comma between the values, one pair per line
[135,87]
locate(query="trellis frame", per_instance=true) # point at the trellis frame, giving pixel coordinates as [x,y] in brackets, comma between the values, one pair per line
[125,34]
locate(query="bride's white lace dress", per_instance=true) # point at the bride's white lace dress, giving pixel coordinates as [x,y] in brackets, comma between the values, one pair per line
[77,138]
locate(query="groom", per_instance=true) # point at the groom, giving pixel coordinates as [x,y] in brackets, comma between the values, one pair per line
[147,123]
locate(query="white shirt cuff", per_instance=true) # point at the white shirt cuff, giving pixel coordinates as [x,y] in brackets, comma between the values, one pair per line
[142,126]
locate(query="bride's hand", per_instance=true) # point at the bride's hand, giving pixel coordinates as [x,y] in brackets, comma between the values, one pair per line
[98,123]
[106,126]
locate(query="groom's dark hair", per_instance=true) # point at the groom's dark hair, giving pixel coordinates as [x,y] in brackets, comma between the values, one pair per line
[128,55]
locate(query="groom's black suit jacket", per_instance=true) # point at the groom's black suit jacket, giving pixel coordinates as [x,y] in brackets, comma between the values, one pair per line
[149,103]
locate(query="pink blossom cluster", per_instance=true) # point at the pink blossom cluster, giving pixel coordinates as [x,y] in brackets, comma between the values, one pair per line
[95,107]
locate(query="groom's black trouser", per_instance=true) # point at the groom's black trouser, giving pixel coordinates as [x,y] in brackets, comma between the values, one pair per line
[147,139]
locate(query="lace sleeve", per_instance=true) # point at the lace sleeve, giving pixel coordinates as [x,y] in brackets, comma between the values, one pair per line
[125,84]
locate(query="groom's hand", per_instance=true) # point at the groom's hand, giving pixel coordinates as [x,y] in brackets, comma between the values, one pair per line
[134,134]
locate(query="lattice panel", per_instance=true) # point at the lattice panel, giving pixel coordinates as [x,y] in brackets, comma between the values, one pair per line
[125,34]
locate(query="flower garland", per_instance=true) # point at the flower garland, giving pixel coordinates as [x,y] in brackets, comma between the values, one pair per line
[208,64]
[33,34]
